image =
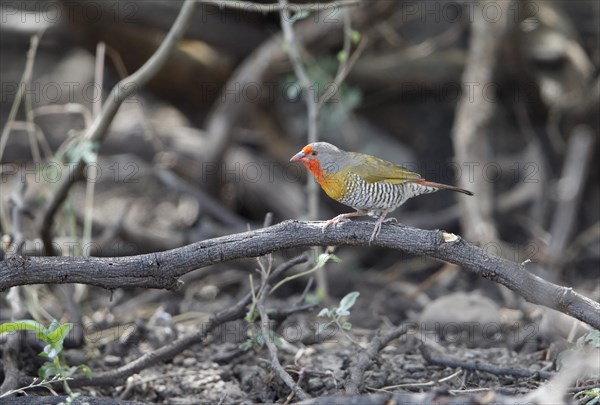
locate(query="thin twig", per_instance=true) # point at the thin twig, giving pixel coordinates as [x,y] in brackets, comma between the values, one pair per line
[266,334]
[346,65]
[570,188]
[306,83]
[343,73]
[14,109]
[306,291]
[90,187]
[575,366]
[430,383]
[25,79]
[365,357]
[515,371]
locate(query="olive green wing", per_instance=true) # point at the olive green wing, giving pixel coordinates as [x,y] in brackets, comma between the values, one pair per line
[372,169]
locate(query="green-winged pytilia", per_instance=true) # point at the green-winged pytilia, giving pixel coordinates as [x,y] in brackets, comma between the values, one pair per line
[370,185]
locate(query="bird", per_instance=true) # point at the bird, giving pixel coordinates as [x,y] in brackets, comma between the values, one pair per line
[370,185]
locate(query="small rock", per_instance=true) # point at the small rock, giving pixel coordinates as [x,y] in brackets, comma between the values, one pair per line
[111,360]
[463,318]
[314,384]
[555,325]
[189,361]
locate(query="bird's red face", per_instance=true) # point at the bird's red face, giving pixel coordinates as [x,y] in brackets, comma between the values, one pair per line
[309,158]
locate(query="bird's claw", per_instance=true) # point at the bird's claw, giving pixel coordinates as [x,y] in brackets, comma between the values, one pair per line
[378,223]
[376,231]
[334,222]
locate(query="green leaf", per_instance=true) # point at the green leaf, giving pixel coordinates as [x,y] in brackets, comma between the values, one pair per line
[355,36]
[83,149]
[342,312]
[594,393]
[25,324]
[348,301]
[342,56]
[259,339]
[53,326]
[325,257]
[48,370]
[86,370]
[300,15]
[59,334]
[347,325]
[247,345]
[592,338]
[560,358]
[251,315]
[324,313]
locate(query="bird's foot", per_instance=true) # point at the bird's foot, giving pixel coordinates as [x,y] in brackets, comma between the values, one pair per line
[334,221]
[378,223]
[375,231]
[390,219]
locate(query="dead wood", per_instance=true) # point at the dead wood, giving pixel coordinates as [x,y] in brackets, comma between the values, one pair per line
[163,269]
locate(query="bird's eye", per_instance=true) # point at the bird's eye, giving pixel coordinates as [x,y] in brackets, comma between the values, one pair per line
[314,153]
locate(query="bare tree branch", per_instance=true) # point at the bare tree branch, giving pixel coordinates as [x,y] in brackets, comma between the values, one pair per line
[162,269]
[274,7]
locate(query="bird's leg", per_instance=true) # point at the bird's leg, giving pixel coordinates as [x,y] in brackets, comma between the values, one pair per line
[343,217]
[377,229]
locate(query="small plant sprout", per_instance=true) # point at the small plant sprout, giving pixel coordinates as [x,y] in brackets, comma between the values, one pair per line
[54,337]
[321,261]
[586,343]
[338,315]
[256,341]
[589,397]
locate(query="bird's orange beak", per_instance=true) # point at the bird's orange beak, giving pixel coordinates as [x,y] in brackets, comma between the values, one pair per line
[298,157]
